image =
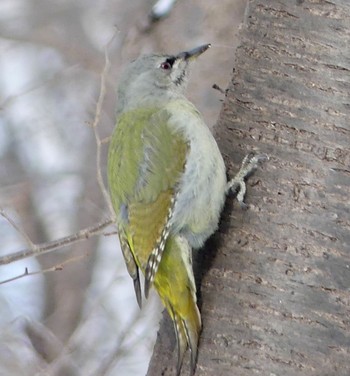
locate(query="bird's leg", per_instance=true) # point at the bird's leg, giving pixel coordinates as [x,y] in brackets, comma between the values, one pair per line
[249,164]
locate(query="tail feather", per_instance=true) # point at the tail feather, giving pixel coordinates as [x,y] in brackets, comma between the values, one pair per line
[130,263]
[187,337]
[175,284]
[137,288]
[180,341]
[192,336]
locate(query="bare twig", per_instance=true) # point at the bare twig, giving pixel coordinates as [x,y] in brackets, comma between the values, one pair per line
[110,359]
[81,329]
[40,249]
[217,87]
[35,86]
[54,268]
[95,124]
[26,238]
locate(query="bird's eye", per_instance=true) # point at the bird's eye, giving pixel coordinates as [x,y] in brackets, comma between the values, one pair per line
[168,63]
[165,65]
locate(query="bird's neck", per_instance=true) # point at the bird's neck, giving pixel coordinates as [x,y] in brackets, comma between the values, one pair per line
[147,100]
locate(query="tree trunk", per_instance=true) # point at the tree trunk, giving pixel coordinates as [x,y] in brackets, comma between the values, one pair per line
[274,290]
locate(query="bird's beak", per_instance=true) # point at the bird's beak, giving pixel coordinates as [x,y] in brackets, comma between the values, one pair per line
[193,54]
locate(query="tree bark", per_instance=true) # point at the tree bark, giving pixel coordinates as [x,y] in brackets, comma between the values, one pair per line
[274,290]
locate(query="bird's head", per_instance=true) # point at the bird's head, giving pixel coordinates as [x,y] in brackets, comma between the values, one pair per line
[156,78]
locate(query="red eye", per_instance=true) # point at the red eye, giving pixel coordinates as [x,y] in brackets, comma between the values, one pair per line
[165,65]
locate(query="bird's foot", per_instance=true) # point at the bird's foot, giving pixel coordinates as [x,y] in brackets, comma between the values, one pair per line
[249,164]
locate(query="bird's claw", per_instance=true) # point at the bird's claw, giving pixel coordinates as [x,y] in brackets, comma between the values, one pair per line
[249,164]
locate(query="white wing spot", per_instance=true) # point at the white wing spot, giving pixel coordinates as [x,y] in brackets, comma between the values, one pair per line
[156,254]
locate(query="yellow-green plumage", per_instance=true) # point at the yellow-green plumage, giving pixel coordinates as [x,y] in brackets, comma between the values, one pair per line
[177,291]
[146,160]
[143,140]
[167,184]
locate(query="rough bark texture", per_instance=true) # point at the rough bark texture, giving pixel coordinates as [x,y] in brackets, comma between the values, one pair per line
[274,289]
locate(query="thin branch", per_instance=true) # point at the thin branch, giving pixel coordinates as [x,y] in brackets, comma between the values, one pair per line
[40,249]
[81,329]
[26,238]
[51,269]
[73,51]
[35,86]
[218,88]
[110,359]
[95,124]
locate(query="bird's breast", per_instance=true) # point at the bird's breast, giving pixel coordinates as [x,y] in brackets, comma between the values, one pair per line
[201,192]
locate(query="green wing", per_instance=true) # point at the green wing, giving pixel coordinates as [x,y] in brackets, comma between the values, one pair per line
[145,163]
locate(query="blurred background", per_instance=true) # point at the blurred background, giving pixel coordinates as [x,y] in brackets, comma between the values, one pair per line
[83,319]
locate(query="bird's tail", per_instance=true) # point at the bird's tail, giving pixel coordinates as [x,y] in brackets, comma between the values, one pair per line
[175,285]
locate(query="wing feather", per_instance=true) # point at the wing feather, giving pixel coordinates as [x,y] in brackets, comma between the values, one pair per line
[146,161]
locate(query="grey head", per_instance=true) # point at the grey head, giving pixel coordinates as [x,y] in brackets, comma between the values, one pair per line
[154,79]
